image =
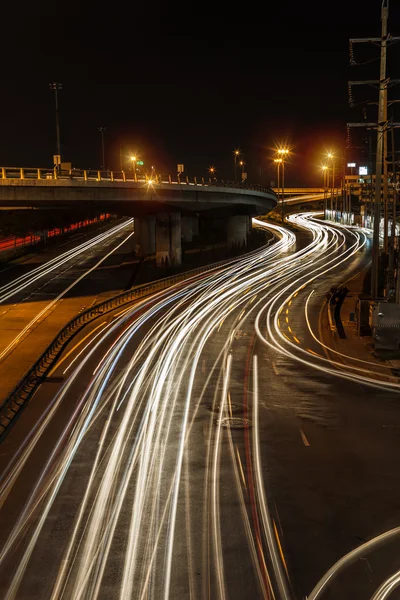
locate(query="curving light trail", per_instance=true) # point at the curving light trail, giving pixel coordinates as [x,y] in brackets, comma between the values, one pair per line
[22,282]
[162,481]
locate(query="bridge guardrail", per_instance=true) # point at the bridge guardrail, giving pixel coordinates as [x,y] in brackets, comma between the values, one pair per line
[36,374]
[108,176]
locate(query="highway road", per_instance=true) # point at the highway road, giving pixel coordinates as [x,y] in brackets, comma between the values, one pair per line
[203,443]
[42,292]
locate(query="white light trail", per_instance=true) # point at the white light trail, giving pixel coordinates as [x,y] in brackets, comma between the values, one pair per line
[139,423]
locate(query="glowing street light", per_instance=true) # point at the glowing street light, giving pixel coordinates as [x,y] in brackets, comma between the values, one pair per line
[134,160]
[282,153]
[236,153]
[242,163]
[211,171]
[331,156]
[278,162]
[325,171]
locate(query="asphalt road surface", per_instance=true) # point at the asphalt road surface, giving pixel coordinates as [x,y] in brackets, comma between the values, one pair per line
[39,295]
[203,443]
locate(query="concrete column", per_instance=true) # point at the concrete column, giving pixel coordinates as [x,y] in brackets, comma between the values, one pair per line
[195,225]
[236,230]
[145,235]
[168,239]
[190,227]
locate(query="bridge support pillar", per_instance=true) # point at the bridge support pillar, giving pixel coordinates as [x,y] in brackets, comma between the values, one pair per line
[145,235]
[168,239]
[237,228]
[190,227]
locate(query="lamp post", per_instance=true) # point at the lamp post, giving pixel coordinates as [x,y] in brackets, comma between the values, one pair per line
[282,153]
[331,157]
[103,160]
[236,153]
[279,162]
[211,171]
[325,171]
[56,87]
[134,159]
[241,163]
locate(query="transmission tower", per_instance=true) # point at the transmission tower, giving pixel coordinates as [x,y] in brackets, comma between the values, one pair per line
[381,126]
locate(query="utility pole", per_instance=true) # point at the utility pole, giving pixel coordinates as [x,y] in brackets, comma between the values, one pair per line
[103,161]
[56,87]
[381,146]
[391,265]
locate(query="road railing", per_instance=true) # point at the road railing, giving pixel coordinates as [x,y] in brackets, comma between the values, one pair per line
[109,177]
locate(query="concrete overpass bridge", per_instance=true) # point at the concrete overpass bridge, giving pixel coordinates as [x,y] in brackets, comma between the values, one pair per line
[165,209]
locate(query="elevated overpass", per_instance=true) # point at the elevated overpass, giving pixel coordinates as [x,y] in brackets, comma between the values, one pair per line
[45,188]
[165,209]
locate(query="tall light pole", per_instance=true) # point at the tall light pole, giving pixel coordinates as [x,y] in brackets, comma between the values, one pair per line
[282,154]
[103,163]
[279,162]
[236,153]
[211,171]
[134,159]
[56,87]
[241,163]
[325,171]
[331,157]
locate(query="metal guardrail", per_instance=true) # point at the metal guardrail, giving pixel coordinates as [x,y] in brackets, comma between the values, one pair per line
[28,384]
[110,177]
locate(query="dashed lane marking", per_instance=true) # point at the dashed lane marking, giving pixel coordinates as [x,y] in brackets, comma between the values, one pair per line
[303,437]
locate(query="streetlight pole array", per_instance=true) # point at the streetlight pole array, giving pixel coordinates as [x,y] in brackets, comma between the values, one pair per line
[56,87]
[103,160]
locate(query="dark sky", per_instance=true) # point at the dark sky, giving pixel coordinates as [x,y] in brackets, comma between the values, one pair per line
[186,82]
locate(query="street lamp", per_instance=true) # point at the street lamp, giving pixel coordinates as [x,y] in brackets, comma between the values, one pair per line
[241,163]
[331,157]
[103,163]
[325,171]
[211,171]
[56,87]
[282,154]
[279,162]
[134,159]
[236,153]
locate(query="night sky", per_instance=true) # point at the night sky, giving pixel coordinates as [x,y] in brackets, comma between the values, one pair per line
[187,82]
